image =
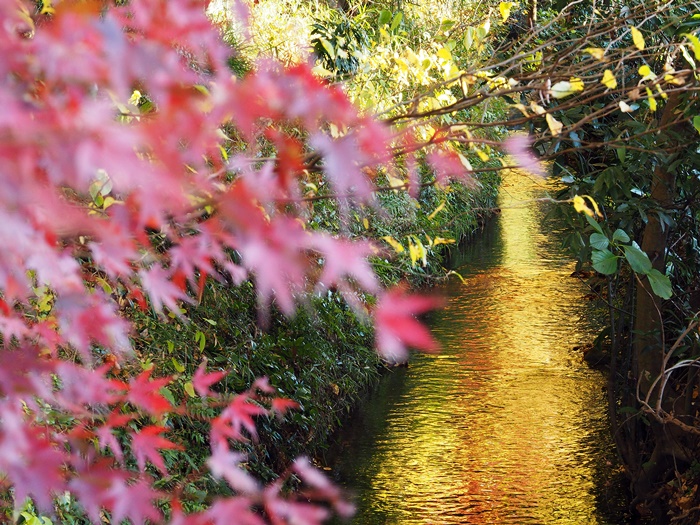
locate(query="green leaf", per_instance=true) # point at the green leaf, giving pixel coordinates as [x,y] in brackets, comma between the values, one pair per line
[167,394]
[599,241]
[621,154]
[595,224]
[384,17]
[469,37]
[660,283]
[200,338]
[604,261]
[639,261]
[696,122]
[620,236]
[397,21]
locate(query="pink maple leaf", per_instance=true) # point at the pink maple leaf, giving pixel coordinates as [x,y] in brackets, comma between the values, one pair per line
[226,464]
[33,463]
[283,511]
[344,259]
[223,510]
[81,387]
[323,488]
[162,291]
[236,416]
[397,327]
[262,384]
[201,381]
[133,501]
[93,483]
[448,165]
[519,147]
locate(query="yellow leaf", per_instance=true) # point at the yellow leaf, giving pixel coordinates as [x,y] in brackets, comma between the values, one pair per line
[522,108]
[534,106]
[135,97]
[581,206]
[398,248]
[565,88]
[651,100]
[417,252]
[437,210]
[596,52]
[696,44]
[637,38]
[662,93]
[413,252]
[504,8]
[365,223]
[482,155]
[108,201]
[224,153]
[440,240]
[47,7]
[554,125]
[576,84]
[646,73]
[469,37]
[178,366]
[676,81]
[609,80]
[687,56]
[394,182]
[484,29]
[444,53]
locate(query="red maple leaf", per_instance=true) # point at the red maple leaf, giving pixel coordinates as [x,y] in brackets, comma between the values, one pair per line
[146,444]
[106,438]
[144,393]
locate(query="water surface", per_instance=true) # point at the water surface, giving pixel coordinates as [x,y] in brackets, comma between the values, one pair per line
[507,424]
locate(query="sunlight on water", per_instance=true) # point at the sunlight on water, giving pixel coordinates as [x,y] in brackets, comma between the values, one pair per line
[506,424]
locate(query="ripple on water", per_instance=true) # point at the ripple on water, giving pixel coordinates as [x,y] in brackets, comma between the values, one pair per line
[506,425]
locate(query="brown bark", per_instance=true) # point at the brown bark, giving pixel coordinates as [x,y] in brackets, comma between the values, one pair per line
[532,13]
[648,345]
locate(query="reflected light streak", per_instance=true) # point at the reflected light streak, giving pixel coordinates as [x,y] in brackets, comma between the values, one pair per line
[507,425]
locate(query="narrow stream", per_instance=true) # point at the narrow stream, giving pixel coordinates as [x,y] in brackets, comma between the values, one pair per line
[507,424]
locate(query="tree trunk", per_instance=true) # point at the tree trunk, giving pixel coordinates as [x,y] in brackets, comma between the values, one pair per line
[649,346]
[532,13]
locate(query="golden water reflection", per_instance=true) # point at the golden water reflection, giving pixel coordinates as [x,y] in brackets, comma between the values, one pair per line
[507,424]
